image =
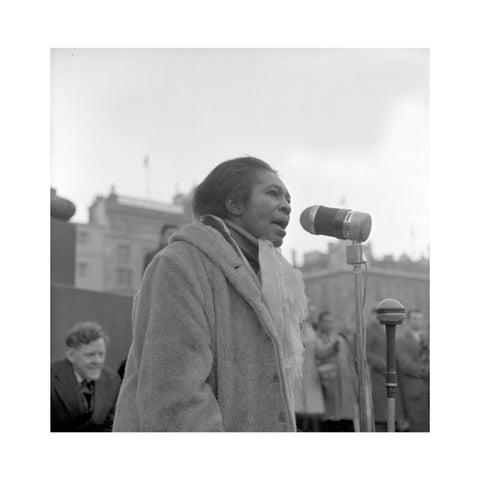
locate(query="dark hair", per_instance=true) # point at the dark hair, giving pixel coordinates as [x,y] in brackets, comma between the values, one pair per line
[166,227]
[230,179]
[84,333]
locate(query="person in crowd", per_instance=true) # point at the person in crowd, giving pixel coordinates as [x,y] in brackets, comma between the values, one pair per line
[216,322]
[308,394]
[346,328]
[376,359]
[413,354]
[167,230]
[336,371]
[83,390]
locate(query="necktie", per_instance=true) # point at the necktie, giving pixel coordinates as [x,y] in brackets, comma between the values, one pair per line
[86,390]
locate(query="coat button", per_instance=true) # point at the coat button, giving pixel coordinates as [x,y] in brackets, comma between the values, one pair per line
[281,417]
[276,378]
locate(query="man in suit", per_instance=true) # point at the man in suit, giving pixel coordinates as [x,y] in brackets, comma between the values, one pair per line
[414,371]
[83,391]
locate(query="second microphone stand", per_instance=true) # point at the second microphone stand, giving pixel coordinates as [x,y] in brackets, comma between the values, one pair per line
[390,312]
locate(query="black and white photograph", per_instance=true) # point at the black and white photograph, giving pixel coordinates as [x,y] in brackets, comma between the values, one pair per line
[224,217]
[245,248]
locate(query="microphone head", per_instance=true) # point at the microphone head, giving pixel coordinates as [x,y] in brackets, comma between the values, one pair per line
[336,222]
[390,312]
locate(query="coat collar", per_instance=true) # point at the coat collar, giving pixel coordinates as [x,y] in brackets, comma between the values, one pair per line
[219,246]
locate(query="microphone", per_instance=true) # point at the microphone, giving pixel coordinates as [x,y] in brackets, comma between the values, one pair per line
[390,312]
[336,222]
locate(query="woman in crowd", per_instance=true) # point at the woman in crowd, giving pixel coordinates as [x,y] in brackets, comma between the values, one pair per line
[307,392]
[216,321]
[335,367]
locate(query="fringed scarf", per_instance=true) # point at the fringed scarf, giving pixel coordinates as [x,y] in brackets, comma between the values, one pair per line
[283,293]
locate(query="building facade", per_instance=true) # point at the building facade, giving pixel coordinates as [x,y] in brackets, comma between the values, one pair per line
[121,230]
[111,248]
[329,281]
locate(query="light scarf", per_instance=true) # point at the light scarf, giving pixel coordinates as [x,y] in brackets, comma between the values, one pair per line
[283,293]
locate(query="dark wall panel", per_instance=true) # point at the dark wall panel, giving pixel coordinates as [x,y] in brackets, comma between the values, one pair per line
[62,257]
[71,305]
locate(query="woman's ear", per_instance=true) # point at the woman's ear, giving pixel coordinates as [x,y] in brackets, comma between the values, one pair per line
[234,207]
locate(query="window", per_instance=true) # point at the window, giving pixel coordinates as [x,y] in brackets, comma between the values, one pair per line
[123,253]
[124,277]
[83,237]
[82,269]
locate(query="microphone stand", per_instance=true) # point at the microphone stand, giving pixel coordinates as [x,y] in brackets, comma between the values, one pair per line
[355,257]
[390,312]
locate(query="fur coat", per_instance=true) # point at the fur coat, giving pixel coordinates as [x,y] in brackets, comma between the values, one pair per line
[205,355]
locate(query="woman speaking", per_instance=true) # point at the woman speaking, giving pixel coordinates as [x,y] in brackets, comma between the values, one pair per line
[216,321]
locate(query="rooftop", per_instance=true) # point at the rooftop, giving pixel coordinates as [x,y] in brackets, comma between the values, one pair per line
[149,204]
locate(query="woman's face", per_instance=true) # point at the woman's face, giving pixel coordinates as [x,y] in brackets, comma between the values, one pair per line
[266,213]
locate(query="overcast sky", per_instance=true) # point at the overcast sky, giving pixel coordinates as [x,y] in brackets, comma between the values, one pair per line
[339,125]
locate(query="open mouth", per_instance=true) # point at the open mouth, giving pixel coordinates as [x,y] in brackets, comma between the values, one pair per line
[281,223]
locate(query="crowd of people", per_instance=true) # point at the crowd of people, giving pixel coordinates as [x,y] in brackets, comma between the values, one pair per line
[84,391]
[220,341]
[326,397]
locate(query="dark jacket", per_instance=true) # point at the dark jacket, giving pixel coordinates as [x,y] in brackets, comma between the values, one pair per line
[414,379]
[66,409]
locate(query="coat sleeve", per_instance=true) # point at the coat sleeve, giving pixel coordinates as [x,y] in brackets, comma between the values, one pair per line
[172,346]
[108,423]
[408,364]
[114,385]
